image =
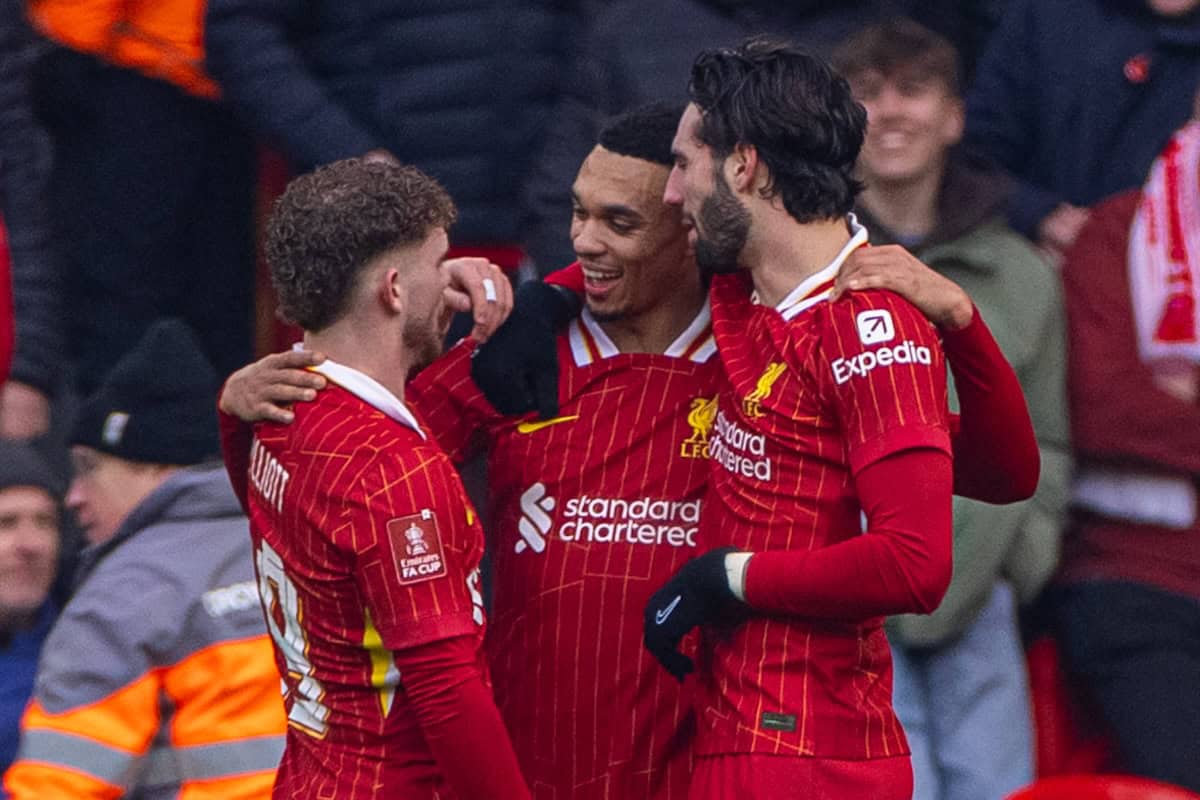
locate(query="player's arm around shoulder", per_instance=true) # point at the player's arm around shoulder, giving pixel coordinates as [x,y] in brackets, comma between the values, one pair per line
[447,399]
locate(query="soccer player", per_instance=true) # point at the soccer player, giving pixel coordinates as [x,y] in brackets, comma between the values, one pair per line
[366,547]
[578,544]
[829,412]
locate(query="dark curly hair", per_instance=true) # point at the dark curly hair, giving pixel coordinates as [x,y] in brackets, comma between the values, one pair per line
[328,224]
[799,115]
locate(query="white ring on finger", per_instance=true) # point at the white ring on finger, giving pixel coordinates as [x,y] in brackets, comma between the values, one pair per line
[489,290]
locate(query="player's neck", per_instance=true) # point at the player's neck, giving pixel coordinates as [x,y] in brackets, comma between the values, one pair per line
[378,357]
[655,330]
[906,208]
[783,253]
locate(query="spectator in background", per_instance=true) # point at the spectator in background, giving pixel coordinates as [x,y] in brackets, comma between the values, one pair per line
[158,676]
[1076,100]
[153,182]
[30,541]
[36,309]
[623,60]
[960,686]
[463,92]
[1129,610]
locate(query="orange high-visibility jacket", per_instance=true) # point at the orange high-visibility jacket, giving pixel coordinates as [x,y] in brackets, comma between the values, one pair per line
[160,38]
[158,680]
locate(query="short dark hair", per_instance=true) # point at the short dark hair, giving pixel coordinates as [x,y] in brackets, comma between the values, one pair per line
[901,46]
[645,132]
[328,224]
[798,113]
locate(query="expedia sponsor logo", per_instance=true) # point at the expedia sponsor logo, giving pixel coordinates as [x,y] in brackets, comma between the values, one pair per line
[875,326]
[861,365]
[738,450]
[606,520]
[700,416]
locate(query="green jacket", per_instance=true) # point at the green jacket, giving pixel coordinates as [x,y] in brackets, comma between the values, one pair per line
[1019,297]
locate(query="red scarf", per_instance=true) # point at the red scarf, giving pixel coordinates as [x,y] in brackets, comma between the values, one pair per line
[1164,255]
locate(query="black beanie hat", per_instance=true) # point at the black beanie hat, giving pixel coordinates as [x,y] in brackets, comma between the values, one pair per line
[21,465]
[157,405]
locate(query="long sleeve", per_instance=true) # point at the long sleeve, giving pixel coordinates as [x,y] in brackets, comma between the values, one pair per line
[451,405]
[995,449]
[900,564]
[445,684]
[250,51]
[1117,411]
[236,440]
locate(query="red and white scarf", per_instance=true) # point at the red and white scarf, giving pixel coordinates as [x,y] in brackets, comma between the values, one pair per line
[1164,254]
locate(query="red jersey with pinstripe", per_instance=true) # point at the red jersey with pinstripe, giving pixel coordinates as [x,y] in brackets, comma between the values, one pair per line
[591,512]
[815,392]
[365,544]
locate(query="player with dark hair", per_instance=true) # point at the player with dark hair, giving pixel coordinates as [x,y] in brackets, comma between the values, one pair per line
[594,508]
[366,547]
[830,412]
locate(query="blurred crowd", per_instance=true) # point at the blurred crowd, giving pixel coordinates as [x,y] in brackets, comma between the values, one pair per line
[1043,155]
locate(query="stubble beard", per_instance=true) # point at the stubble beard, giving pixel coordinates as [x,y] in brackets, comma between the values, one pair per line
[721,231]
[423,345]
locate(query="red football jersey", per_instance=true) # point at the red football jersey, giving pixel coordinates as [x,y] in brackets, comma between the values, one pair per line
[815,392]
[365,544]
[590,513]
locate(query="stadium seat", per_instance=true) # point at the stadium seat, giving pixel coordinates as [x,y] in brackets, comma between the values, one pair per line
[1070,737]
[1101,787]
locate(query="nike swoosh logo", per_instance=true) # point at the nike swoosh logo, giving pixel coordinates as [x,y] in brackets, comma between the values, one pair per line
[661,615]
[537,425]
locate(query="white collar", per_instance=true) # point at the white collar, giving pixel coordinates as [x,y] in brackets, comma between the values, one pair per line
[367,389]
[589,342]
[812,289]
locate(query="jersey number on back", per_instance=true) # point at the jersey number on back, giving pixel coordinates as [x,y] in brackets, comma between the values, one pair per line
[282,603]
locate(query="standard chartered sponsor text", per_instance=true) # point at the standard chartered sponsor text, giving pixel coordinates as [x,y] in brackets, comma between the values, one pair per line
[617,520]
[738,450]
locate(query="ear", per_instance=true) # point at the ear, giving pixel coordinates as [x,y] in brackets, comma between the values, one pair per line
[391,291]
[741,168]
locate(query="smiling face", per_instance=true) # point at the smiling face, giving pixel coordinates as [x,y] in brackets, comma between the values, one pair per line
[912,120]
[718,224]
[631,245]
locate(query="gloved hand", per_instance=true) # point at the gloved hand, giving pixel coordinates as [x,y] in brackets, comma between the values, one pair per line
[517,368]
[694,595]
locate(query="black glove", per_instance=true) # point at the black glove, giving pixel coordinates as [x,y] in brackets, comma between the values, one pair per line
[517,368]
[694,595]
